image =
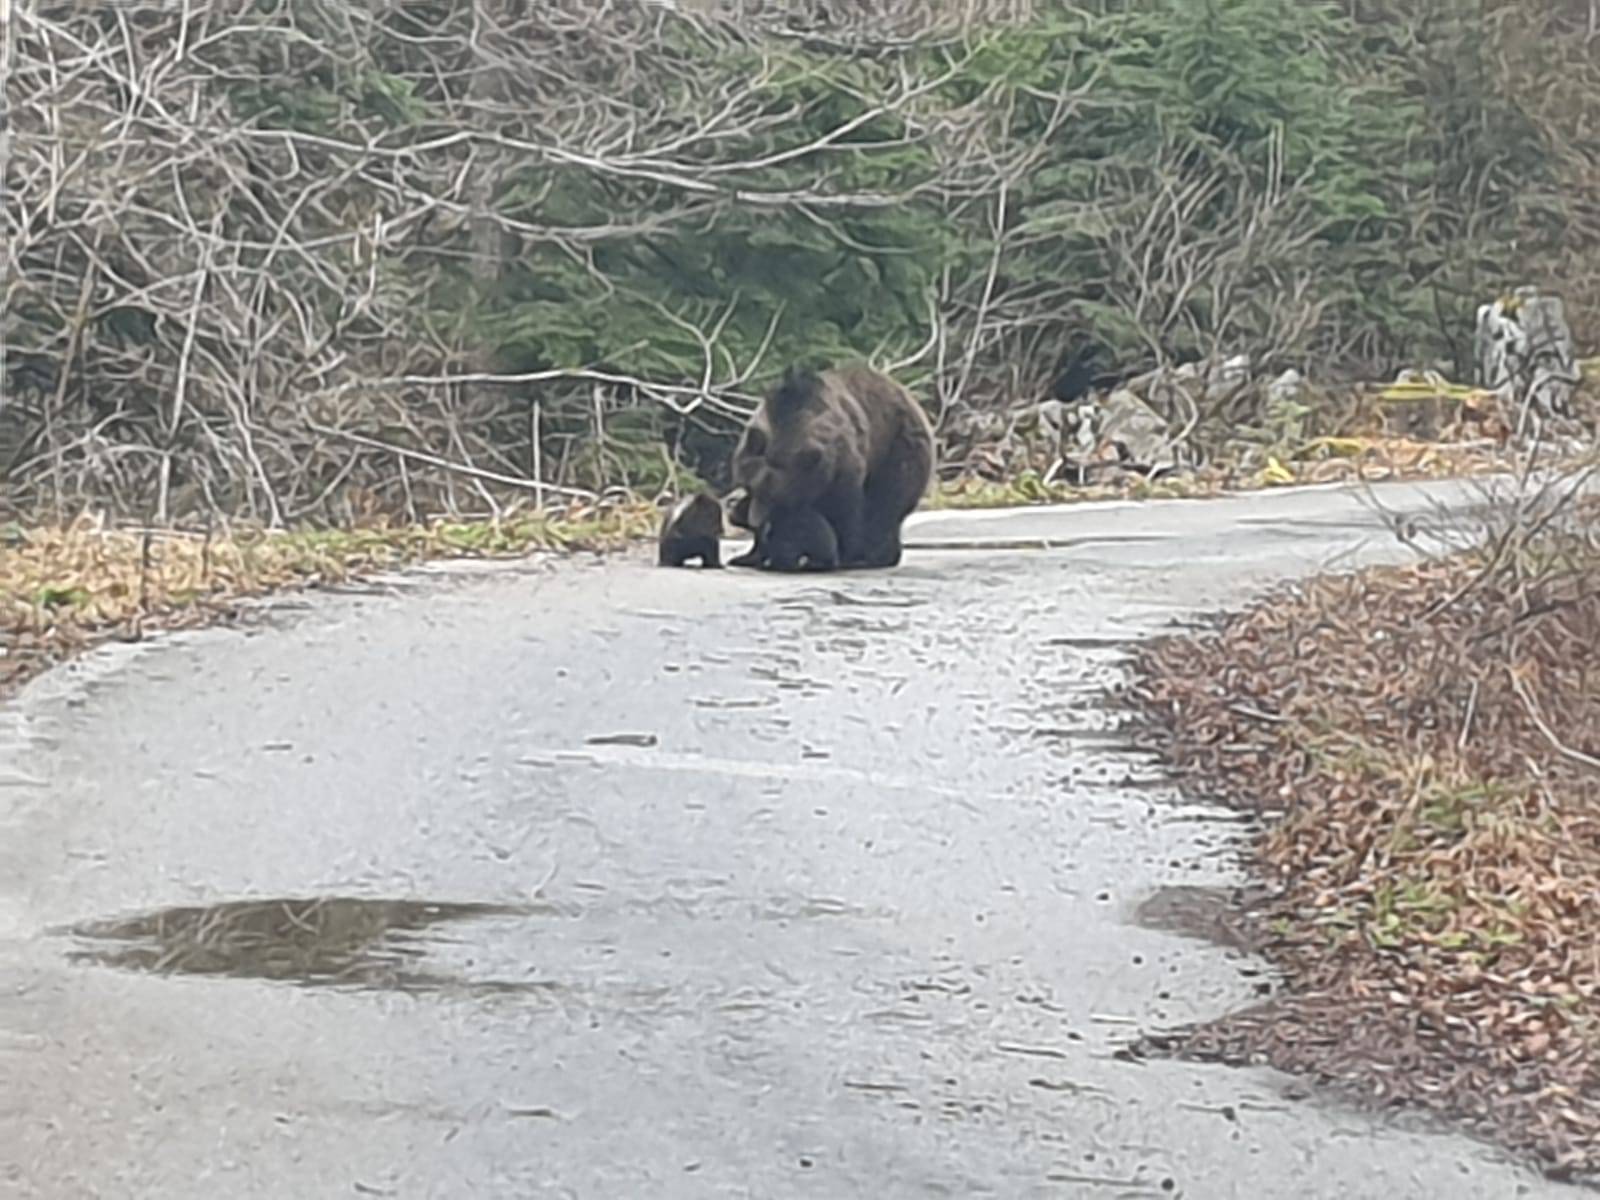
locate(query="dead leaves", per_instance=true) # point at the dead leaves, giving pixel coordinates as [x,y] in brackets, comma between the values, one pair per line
[1436,847]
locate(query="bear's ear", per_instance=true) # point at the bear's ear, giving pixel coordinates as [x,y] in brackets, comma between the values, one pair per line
[754,442]
[794,393]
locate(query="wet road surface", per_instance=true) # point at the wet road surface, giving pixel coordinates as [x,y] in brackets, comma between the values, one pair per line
[591,879]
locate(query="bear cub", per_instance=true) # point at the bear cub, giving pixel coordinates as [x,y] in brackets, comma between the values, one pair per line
[797,539]
[693,529]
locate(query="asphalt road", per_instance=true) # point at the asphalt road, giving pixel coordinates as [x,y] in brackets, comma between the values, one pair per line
[590,879]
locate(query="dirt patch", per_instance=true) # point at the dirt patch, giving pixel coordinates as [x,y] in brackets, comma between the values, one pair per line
[1425,747]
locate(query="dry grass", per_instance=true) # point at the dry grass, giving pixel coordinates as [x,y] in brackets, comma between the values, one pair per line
[1323,460]
[67,587]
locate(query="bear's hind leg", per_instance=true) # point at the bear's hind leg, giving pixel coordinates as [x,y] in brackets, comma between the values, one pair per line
[886,510]
[849,514]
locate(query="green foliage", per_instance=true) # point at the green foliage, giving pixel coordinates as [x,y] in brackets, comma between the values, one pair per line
[1187,114]
[1223,103]
[631,449]
[835,281]
[390,98]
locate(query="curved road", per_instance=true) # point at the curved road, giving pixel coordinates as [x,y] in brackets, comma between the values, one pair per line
[591,879]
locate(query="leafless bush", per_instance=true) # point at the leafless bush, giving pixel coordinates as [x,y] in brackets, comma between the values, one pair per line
[218,282]
[266,259]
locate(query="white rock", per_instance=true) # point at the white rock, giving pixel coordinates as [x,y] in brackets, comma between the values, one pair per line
[1524,352]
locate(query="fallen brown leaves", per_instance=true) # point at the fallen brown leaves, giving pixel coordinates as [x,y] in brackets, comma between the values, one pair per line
[1430,772]
[67,587]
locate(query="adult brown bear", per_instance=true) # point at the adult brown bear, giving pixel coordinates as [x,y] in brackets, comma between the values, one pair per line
[848,443]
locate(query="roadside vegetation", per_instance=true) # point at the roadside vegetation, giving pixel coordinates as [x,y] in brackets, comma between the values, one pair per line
[65,588]
[1423,747]
[435,260]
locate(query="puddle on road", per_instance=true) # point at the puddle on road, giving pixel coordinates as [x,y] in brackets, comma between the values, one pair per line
[866,598]
[640,740]
[1213,914]
[317,942]
[1116,740]
[1093,642]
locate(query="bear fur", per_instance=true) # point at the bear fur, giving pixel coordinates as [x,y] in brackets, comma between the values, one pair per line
[796,539]
[693,529]
[850,444]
